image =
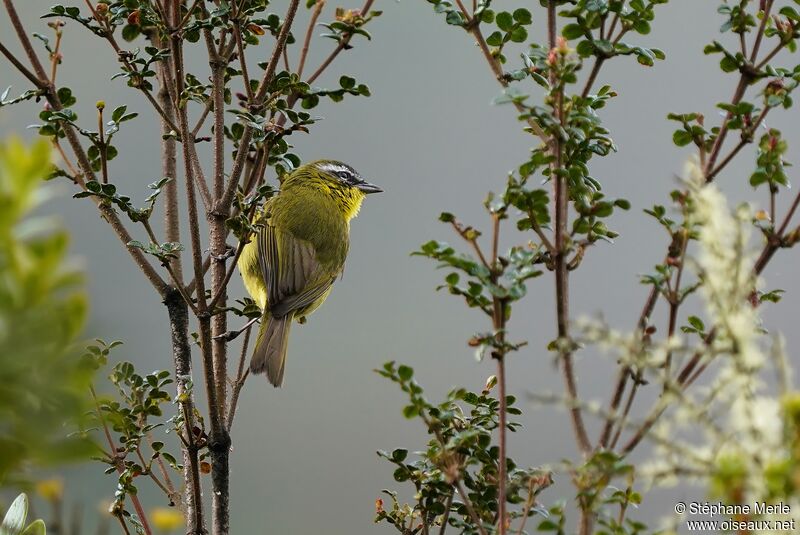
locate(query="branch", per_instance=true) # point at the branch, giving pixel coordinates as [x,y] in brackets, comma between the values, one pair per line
[494,64]
[307,41]
[283,35]
[468,504]
[23,69]
[343,44]
[241,377]
[560,264]
[118,464]
[762,26]
[182,359]
[19,29]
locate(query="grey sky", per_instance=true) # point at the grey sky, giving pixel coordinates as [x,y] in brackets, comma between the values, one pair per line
[304,456]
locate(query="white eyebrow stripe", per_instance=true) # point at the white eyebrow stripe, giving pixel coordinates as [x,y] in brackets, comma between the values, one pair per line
[334,168]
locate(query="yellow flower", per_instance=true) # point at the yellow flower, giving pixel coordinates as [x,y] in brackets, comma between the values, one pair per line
[50,489]
[166,519]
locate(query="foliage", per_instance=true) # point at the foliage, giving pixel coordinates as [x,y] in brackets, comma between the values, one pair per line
[460,451]
[130,420]
[247,112]
[14,522]
[557,225]
[42,312]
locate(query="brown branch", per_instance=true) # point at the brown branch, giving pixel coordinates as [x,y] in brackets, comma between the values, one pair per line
[502,424]
[499,325]
[219,441]
[19,29]
[123,524]
[137,505]
[542,236]
[241,377]
[470,509]
[23,69]
[494,64]
[446,515]
[225,199]
[598,63]
[169,165]
[318,7]
[283,35]
[560,265]
[625,413]
[123,58]
[741,87]
[102,145]
[55,58]
[746,139]
[343,44]
[761,27]
[221,290]
[689,373]
[237,34]
[182,360]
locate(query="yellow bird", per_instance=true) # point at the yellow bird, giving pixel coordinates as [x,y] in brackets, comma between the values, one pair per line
[289,265]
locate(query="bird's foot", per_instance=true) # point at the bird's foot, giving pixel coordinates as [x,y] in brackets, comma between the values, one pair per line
[229,336]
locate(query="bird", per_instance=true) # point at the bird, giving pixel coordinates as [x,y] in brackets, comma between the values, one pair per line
[297,252]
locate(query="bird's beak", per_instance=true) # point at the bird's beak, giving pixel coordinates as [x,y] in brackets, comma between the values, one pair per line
[366,187]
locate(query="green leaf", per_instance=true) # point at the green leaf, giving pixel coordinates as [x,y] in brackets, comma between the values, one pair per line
[14,521]
[641,26]
[495,39]
[410,411]
[117,114]
[504,21]
[37,527]
[399,455]
[523,16]
[454,18]
[130,32]
[405,372]
[572,31]
[519,34]
[681,138]
[728,64]
[697,323]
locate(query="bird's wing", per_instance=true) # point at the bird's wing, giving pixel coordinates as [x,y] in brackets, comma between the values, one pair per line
[293,276]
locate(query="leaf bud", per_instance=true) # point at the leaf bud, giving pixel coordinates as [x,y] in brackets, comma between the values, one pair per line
[135,17]
[256,29]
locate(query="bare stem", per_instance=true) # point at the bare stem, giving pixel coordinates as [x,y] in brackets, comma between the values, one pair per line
[470,509]
[137,505]
[309,32]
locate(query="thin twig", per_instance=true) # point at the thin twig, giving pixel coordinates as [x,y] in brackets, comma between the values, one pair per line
[560,265]
[19,29]
[283,35]
[118,462]
[446,515]
[598,64]
[528,506]
[468,504]
[55,58]
[318,6]
[22,68]
[124,525]
[761,27]
[343,44]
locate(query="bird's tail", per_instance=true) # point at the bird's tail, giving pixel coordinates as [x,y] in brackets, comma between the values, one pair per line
[271,344]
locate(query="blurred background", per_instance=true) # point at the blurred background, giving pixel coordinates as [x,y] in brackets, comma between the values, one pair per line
[304,456]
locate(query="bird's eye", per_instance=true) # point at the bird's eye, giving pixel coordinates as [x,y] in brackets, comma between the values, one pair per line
[344,175]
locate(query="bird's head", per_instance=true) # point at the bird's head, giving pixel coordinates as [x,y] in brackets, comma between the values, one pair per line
[339,180]
[341,175]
